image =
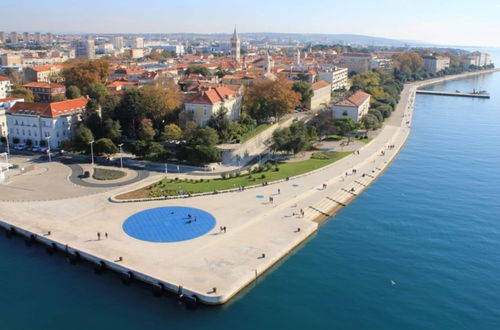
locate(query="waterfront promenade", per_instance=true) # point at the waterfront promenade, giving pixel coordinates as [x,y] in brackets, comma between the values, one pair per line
[258,234]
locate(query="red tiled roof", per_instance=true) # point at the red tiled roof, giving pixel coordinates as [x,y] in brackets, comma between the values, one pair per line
[2,78]
[46,67]
[355,100]
[212,95]
[52,109]
[320,84]
[42,85]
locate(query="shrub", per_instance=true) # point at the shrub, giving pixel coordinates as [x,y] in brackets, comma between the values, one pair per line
[223,176]
[262,176]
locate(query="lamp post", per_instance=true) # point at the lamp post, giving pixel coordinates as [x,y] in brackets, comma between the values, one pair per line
[48,147]
[121,156]
[92,151]
[7,137]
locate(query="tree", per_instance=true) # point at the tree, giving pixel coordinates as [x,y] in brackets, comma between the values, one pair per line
[203,135]
[344,126]
[221,124]
[323,123]
[83,136]
[146,130]
[58,98]
[171,132]
[305,91]
[156,102]
[378,114]
[221,72]
[370,121]
[127,112]
[198,69]
[112,130]
[266,99]
[21,92]
[13,75]
[105,146]
[300,138]
[97,93]
[281,140]
[73,92]
[84,73]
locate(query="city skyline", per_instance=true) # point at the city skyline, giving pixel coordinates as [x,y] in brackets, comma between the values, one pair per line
[464,24]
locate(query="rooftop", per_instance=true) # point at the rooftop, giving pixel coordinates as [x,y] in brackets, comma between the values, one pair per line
[355,100]
[53,109]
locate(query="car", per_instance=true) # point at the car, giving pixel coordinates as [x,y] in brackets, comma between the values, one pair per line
[20,146]
[35,149]
[43,149]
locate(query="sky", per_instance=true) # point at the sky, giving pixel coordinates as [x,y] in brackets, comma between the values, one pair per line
[443,22]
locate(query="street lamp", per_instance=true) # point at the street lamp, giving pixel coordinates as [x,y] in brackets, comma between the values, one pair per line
[121,157]
[7,137]
[48,147]
[92,151]
[6,159]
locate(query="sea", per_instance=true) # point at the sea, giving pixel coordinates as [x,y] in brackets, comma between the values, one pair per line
[419,249]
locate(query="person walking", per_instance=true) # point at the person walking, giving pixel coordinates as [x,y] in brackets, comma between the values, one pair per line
[98,236]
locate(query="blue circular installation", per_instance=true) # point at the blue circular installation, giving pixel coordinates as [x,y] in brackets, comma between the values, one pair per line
[295,185]
[169,224]
[259,196]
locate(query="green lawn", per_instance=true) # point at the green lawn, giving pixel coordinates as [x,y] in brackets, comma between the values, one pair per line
[250,134]
[107,174]
[169,187]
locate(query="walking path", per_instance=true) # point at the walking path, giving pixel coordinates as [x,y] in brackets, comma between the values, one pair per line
[259,232]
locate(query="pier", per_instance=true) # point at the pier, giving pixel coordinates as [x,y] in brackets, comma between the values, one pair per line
[461,94]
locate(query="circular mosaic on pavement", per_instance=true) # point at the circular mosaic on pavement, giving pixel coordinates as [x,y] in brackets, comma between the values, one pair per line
[169,224]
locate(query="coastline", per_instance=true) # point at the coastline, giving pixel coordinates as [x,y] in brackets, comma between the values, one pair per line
[230,262]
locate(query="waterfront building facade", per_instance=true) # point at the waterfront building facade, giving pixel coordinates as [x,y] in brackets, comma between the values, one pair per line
[436,63]
[354,107]
[322,92]
[37,122]
[338,78]
[209,101]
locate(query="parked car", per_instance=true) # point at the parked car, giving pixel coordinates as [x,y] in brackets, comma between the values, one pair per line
[35,149]
[43,149]
[20,146]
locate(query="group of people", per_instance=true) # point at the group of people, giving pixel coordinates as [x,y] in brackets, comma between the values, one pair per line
[99,236]
[222,229]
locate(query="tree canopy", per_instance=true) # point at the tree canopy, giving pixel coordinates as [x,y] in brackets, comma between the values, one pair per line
[305,91]
[21,92]
[268,99]
[84,73]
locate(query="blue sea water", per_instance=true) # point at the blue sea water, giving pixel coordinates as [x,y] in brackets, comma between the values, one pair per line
[431,224]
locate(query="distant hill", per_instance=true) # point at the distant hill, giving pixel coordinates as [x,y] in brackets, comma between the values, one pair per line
[315,38]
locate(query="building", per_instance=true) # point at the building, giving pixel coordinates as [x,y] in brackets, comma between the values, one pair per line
[13,38]
[2,37]
[5,86]
[118,43]
[209,101]
[436,63]
[136,53]
[85,49]
[138,42]
[11,60]
[235,46]
[338,78]
[36,123]
[38,37]
[479,59]
[356,62]
[45,91]
[354,107]
[5,105]
[322,93]
[43,73]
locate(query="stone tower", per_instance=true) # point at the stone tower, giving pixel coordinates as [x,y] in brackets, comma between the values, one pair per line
[235,46]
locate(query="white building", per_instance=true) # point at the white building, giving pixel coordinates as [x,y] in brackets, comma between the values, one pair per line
[85,49]
[37,122]
[5,105]
[338,77]
[5,86]
[354,107]
[207,102]
[118,43]
[138,42]
[436,63]
[322,93]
